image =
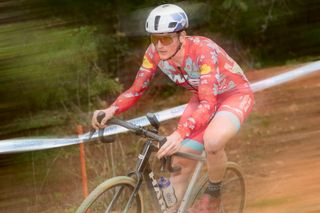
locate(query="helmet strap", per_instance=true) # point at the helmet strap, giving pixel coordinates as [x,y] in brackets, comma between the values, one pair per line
[177,50]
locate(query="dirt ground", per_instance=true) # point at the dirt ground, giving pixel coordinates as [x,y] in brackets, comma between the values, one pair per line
[280,150]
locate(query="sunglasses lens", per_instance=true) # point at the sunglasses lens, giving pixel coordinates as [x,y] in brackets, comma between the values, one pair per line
[165,40]
[154,40]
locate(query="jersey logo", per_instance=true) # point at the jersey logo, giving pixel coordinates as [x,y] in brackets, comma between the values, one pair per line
[146,63]
[205,69]
[158,193]
[179,79]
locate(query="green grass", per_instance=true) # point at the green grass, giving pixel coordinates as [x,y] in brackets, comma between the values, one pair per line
[269,202]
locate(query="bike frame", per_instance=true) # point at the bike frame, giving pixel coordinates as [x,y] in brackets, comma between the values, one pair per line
[143,171]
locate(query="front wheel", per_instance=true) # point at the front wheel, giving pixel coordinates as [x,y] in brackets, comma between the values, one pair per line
[233,194]
[113,196]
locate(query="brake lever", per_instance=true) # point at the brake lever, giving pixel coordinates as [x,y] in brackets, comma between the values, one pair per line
[167,162]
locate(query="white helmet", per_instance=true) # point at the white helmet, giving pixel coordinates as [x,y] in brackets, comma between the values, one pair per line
[166,18]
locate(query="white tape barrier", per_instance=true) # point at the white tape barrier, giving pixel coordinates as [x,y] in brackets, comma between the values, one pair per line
[286,77]
[33,144]
[23,145]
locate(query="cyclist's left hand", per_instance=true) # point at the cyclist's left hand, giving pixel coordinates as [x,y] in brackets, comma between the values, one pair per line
[171,146]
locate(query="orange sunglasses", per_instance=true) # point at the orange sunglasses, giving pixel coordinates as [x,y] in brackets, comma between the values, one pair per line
[164,39]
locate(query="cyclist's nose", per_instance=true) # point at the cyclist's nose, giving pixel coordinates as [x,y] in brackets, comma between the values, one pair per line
[159,44]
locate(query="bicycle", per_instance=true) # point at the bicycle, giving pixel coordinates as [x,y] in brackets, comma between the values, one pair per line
[123,193]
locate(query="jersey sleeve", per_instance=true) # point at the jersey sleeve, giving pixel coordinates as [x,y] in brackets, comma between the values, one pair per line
[140,84]
[190,108]
[207,95]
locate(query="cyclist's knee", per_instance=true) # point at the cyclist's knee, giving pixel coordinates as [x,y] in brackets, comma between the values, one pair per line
[213,145]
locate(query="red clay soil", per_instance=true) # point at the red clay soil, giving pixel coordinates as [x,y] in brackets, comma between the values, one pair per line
[280,147]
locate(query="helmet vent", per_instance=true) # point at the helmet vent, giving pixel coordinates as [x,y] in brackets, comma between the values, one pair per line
[172,24]
[156,22]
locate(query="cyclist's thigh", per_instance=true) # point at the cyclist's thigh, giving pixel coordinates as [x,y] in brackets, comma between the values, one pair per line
[232,110]
[236,107]
[230,114]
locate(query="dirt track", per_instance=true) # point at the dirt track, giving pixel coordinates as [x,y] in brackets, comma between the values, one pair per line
[281,155]
[278,148]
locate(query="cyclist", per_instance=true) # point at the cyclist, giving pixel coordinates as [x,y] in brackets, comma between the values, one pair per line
[221,101]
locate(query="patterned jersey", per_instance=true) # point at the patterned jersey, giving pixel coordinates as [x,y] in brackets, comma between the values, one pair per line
[207,71]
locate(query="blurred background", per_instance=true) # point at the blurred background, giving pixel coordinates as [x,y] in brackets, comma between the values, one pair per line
[62,59]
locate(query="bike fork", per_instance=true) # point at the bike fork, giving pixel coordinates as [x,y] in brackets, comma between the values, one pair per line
[132,196]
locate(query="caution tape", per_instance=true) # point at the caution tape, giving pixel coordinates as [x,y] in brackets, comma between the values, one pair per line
[33,144]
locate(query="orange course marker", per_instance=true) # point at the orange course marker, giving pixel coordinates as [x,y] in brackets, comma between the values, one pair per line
[83,164]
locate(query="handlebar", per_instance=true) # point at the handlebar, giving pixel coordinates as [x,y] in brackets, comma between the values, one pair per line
[166,161]
[147,133]
[138,130]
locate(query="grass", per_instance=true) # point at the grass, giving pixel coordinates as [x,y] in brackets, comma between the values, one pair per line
[40,121]
[269,202]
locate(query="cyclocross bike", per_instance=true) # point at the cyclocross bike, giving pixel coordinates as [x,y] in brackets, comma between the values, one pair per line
[124,193]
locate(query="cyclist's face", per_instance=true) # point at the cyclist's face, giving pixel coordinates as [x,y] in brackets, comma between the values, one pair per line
[165,44]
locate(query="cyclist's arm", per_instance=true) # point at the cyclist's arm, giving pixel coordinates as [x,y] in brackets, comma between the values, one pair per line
[190,108]
[141,83]
[207,96]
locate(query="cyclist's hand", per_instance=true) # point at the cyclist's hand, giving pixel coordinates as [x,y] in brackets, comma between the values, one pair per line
[109,112]
[171,146]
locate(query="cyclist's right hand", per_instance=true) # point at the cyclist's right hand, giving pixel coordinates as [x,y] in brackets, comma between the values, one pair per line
[109,112]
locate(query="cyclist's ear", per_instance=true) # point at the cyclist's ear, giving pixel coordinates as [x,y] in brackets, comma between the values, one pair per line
[182,36]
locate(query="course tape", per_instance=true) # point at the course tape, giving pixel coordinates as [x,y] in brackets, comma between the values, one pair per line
[33,144]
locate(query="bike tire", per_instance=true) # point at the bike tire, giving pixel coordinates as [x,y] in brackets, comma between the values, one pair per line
[233,192]
[100,199]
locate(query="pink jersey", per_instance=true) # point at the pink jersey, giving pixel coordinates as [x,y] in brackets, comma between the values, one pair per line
[207,71]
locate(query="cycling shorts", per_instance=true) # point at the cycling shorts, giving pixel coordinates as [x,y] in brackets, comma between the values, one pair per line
[235,106]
